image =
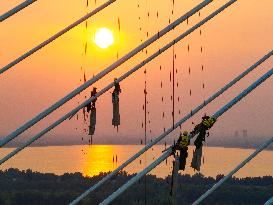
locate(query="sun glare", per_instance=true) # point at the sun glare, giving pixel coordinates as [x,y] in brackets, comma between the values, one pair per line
[104,38]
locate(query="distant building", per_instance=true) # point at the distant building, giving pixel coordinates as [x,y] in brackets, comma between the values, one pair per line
[236,134]
[245,134]
[245,137]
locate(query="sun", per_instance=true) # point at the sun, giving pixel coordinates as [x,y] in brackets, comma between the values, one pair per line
[104,38]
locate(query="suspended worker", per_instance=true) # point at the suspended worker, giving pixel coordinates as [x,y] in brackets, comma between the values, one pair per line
[202,130]
[115,102]
[92,107]
[182,145]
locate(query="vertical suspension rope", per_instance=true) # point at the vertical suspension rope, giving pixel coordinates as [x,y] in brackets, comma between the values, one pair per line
[145,109]
[140,32]
[119,27]
[173,104]
[146,102]
[173,96]
[83,72]
[189,68]
[145,133]
[173,58]
[202,160]
[113,66]
[90,141]
[202,64]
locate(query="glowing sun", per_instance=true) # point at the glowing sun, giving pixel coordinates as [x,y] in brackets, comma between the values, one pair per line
[104,38]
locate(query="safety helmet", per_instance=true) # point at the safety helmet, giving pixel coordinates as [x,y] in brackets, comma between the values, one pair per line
[185,133]
[205,117]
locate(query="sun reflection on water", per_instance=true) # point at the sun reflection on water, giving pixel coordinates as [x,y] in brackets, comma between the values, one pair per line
[92,160]
[98,159]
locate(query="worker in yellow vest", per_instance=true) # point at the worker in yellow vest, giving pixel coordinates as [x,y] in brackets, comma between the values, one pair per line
[182,145]
[200,129]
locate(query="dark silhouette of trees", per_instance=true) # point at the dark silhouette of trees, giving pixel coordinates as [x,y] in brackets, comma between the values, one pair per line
[33,188]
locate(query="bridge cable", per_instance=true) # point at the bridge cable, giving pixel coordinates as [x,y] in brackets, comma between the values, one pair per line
[269,202]
[112,67]
[55,36]
[74,111]
[236,169]
[169,151]
[16,9]
[149,145]
[159,138]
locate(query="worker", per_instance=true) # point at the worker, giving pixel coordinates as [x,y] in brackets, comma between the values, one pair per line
[115,102]
[92,107]
[117,86]
[200,129]
[182,145]
[93,93]
[93,103]
[89,107]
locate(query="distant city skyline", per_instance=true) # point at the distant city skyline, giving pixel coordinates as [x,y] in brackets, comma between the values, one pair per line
[211,141]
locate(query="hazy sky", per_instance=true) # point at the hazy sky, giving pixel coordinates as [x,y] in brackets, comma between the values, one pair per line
[231,42]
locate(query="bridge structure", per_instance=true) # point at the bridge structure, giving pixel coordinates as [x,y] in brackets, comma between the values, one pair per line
[170,150]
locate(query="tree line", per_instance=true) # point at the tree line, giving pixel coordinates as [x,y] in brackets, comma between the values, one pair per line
[33,188]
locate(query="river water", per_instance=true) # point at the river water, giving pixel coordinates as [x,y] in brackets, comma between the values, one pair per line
[91,160]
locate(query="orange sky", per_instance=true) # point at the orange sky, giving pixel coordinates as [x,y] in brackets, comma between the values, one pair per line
[231,42]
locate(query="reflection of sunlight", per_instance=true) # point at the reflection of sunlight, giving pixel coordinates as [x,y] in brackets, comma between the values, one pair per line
[91,160]
[98,159]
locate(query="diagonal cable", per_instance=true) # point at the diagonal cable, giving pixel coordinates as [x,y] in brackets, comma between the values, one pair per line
[55,36]
[16,9]
[236,169]
[159,138]
[269,202]
[75,110]
[168,152]
[133,180]
[105,72]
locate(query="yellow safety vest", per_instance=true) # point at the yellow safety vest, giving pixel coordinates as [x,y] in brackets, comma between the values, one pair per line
[185,141]
[209,122]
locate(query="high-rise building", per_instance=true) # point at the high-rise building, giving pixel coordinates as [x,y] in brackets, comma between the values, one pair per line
[245,133]
[236,134]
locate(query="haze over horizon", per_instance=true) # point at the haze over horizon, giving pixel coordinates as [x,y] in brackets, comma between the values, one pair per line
[231,42]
